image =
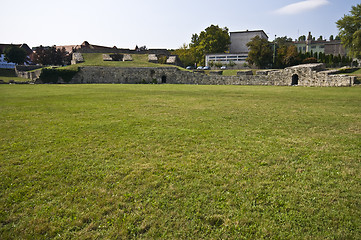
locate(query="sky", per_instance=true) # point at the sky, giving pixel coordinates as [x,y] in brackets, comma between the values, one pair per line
[161,23]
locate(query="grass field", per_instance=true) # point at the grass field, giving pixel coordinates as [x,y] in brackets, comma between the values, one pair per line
[179,162]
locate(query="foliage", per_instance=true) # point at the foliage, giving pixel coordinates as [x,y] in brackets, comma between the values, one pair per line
[260,53]
[15,55]
[51,56]
[291,58]
[302,38]
[98,161]
[185,55]
[162,59]
[286,53]
[310,60]
[350,31]
[212,40]
[52,75]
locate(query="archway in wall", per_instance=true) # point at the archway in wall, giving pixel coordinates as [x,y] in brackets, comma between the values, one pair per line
[164,79]
[294,79]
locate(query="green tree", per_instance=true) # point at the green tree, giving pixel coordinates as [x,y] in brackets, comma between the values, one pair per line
[350,31]
[331,38]
[291,58]
[212,40]
[15,55]
[260,52]
[302,38]
[185,55]
[282,45]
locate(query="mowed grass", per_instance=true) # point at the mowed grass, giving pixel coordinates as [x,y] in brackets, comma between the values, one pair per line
[179,162]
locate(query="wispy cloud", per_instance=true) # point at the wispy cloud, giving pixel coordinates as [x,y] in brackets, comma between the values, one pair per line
[300,7]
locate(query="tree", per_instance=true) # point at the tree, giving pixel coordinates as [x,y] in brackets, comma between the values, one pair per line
[212,40]
[260,53]
[15,55]
[185,55]
[292,58]
[331,38]
[350,31]
[282,45]
[302,38]
[51,56]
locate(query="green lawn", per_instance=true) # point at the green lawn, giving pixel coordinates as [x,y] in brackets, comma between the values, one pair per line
[179,162]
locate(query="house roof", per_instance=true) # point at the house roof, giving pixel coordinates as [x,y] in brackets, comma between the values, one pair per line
[86,44]
[247,31]
[23,46]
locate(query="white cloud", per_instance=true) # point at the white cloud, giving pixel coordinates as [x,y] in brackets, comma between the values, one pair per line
[302,6]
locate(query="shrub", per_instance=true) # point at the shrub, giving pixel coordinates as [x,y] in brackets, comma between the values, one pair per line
[310,60]
[50,75]
[117,57]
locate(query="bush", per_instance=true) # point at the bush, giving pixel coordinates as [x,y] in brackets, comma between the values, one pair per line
[50,75]
[117,57]
[162,59]
[310,60]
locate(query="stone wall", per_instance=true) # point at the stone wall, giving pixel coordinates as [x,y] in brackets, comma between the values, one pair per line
[303,75]
[309,75]
[23,71]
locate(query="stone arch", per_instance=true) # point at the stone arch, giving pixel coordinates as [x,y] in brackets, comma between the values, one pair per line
[164,79]
[294,80]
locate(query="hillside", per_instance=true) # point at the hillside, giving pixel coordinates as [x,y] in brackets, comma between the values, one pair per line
[96,59]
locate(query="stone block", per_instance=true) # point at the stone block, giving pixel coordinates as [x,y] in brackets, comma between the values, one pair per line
[77,58]
[127,57]
[152,58]
[107,57]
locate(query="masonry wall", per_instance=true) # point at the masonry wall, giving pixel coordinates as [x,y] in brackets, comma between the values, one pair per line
[307,76]
[169,75]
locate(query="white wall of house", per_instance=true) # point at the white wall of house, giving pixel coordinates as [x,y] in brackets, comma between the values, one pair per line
[4,63]
[239,40]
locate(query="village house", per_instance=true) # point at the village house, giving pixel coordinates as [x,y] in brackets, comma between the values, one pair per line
[333,47]
[3,47]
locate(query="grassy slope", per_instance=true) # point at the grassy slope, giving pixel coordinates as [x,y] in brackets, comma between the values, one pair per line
[179,162]
[96,59]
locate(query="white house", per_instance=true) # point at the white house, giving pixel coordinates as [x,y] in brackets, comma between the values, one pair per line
[4,63]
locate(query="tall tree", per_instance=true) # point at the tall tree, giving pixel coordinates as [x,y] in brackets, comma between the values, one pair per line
[185,55]
[350,31]
[15,55]
[212,40]
[51,56]
[260,52]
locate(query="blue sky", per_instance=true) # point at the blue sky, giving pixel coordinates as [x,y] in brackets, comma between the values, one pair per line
[161,23]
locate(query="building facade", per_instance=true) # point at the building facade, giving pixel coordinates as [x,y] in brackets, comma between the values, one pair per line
[333,47]
[238,51]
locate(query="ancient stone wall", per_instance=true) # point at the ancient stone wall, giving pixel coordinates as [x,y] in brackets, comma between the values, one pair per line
[300,75]
[24,71]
